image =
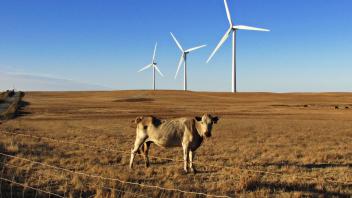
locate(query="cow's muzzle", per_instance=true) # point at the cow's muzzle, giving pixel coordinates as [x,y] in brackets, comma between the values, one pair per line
[207,134]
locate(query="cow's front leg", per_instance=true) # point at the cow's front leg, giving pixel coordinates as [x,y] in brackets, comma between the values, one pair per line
[185,157]
[191,158]
[139,141]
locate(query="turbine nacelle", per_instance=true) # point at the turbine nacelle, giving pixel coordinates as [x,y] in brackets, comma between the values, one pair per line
[183,55]
[154,66]
[232,29]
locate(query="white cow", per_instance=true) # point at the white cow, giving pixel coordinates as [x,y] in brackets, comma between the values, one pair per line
[187,133]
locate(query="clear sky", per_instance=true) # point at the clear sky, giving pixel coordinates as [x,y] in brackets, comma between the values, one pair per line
[104,43]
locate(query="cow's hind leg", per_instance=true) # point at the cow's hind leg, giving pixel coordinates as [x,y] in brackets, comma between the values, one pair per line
[139,141]
[146,148]
[191,158]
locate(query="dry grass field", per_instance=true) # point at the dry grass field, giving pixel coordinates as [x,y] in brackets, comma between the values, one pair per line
[265,145]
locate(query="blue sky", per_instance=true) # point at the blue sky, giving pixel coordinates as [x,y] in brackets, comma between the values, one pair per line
[104,43]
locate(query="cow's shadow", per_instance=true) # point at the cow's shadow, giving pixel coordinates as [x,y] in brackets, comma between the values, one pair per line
[308,166]
[160,162]
[296,187]
[301,187]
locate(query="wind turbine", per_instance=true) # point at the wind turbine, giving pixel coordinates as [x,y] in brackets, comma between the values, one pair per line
[183,58]
[233,29]
[153,64]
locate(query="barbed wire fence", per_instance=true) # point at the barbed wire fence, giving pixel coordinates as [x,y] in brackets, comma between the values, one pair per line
[92,185]
[49,189]
[101,180]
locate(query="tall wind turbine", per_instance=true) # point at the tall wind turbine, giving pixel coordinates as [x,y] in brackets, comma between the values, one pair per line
[233,29]
[153,64]
[183,58]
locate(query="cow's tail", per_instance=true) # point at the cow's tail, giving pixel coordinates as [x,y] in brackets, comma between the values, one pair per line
[141,149]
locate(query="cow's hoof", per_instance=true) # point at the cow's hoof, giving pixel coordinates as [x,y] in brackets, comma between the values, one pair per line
[194,171]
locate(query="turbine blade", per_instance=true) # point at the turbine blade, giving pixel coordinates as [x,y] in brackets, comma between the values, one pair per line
[179,64]
[157,69]
[146,67]
[177,43]
[223,39]
[156,44]
[195,48]
[228,12]
[244,27]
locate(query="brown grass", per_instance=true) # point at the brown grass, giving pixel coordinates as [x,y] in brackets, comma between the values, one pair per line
[297,135]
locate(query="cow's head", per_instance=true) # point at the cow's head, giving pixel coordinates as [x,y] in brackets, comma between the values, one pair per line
[205,124]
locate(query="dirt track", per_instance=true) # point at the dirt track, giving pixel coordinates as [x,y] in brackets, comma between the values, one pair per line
[4,105]
[296,135]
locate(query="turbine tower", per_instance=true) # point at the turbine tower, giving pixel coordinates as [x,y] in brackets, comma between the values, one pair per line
[183,58]
[154,65]
[233,29]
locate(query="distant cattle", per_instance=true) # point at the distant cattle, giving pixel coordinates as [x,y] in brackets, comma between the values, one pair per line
[10,93]
[187,133]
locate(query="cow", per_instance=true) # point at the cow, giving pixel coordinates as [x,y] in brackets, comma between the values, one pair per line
[187,133]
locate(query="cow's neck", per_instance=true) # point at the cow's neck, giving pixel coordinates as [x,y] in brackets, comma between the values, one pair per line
[199,129]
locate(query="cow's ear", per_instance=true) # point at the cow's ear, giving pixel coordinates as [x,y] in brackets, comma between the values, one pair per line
[138,119]
[215,119]
[156,121]
[198,118]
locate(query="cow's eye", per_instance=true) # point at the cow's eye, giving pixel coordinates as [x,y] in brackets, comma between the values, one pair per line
[145,127]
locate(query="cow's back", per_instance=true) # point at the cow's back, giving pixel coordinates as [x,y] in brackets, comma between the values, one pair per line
[169,133]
